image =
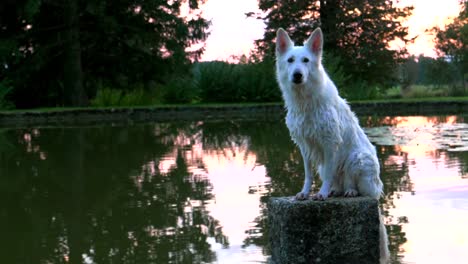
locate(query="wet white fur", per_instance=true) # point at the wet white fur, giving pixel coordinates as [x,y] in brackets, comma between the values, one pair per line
[323,126]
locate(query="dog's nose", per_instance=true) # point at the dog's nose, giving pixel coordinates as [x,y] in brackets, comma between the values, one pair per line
[297,77]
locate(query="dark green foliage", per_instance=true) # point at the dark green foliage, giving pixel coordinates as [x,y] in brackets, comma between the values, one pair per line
[224,82]
[452,42]
[217,81]
[435,74]
[5,90]
[428,77]
[410,71]
[114,97]
[55,50]
[358,32]
[181,89]
[107,97]
[334,67]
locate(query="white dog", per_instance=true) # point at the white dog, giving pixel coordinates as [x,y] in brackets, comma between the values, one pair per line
[322,124]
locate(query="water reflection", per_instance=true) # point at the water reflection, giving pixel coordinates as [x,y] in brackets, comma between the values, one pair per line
[96,198]
[430,201]
[196,192]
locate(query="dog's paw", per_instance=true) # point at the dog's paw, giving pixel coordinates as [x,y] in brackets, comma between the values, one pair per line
[335,193]
[319,197]
[302,196]
[351,193]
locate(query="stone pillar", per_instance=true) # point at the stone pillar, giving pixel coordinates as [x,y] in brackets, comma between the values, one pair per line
[337,230]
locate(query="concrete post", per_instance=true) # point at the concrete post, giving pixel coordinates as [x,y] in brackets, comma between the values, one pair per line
[338,230]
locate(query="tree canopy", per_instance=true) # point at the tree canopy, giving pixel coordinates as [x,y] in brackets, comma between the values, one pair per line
[358,32]
[55,53]
[452,42]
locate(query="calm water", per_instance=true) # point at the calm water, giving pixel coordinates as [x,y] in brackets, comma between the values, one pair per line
[196,192]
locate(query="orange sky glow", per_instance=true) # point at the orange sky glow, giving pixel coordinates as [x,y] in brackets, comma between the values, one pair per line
[232,34]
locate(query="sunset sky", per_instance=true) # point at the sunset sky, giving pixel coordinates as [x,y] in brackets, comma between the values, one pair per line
[233,34]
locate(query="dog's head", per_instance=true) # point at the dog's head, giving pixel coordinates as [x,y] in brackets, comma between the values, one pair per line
[300,63]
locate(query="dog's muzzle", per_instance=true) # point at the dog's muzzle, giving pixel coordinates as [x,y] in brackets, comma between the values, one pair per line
[297,78]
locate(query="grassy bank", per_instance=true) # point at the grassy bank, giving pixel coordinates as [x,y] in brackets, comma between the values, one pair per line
[98,116]
[428,100]
[415,100]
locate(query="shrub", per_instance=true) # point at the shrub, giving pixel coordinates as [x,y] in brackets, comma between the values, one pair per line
[107,97]
[361,90]
[224,82]
[393,93]
[113,97]
[215,81]
[333,66]
[135,97]
[257,82]
[179,90]
[5,90]
[424,91]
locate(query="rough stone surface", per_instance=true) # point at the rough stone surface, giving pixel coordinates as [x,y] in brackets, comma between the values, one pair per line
[338,230]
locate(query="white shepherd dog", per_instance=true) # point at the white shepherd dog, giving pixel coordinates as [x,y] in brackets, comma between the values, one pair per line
[322,124]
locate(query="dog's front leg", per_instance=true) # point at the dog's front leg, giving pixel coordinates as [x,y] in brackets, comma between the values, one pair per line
[324,191]
[304,194]
[327,173]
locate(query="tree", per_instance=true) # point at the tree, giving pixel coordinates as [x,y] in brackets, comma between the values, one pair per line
[72,67]
[358,32]
[452,42]
[436,71]
[60,52]
[409,73]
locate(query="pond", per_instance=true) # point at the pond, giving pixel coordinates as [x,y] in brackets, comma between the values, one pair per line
[196,191]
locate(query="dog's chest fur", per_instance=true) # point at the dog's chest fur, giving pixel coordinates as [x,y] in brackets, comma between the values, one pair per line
[318,126]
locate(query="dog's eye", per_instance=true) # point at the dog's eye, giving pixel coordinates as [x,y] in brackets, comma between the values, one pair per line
[305,60]
[291,60]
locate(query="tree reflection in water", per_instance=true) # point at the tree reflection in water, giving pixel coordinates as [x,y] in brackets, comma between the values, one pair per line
[143,193]
[85,194]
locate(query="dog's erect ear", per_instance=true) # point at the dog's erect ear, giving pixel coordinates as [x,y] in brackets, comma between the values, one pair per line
[283,42]
[315,42]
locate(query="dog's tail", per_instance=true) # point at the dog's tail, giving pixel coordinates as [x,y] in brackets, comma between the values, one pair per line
[384,252]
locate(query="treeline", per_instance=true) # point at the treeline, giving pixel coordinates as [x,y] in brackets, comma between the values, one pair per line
[60,53]
[213,82]
[223,82]
[434,72]
[208,82]
[102,52]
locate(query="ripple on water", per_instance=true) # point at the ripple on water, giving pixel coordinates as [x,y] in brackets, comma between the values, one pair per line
[443,136]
